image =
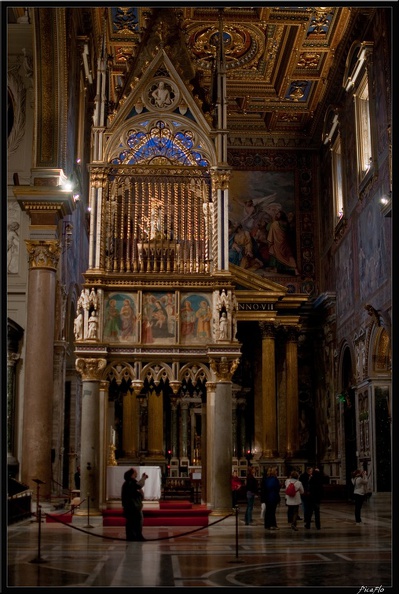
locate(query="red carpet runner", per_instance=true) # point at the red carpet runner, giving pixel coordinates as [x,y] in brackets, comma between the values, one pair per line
[170,513]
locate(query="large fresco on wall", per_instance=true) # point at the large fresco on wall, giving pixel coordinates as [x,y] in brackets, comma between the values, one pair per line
[120,317]
[372,250]
[344,277]
[195,318]
[262,221]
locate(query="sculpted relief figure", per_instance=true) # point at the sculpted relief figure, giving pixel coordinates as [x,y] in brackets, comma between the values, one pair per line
[161,95]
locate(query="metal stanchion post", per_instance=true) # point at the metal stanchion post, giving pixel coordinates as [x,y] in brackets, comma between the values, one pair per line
[39,559]
[88,525]
[38,483]
[236,560]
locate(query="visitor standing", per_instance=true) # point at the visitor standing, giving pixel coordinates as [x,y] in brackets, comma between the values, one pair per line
[236,485]
[252,489]
[132,496]
[305,498]
[294,501]
[315,489]
[359,482]
[270,496]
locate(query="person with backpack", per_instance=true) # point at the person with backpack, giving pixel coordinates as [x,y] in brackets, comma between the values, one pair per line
[293,492]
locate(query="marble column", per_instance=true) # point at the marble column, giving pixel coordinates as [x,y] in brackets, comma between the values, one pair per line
[155,425]
[104,441]
[209,444]
[90,464]
[291,351]
[173,428]
[184,427]
[234,429]
[39,357]
[130,425]
[59,414]
[269,403]
[220,423]
[204,453]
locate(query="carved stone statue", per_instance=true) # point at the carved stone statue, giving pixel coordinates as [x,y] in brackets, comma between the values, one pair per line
[161,95]
[78,327]
[92,326]
[93,299]
[223,326]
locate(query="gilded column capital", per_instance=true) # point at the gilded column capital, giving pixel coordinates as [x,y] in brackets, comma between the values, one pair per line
[98,178]
[292,333]
[268,329]
[43,253]
[211,386]
[104,385]
[90,369]
[224,369]
[220,177]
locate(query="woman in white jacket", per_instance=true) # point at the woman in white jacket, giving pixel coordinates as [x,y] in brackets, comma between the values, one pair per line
[294,502]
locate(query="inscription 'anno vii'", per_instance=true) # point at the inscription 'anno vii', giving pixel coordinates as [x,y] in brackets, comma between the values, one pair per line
[255,306]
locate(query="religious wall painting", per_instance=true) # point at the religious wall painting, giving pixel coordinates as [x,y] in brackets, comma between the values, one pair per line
[372,250]
[195,318]
[120,318]
[262,222]
[158,323]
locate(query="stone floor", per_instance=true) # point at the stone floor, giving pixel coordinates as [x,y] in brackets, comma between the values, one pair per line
[225,554]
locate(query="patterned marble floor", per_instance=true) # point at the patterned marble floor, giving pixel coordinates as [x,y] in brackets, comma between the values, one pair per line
[225,554]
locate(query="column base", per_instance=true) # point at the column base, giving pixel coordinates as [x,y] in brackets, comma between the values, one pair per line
[222,511]
[83,512]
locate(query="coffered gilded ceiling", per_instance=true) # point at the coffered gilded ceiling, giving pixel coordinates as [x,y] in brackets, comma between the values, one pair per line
[280,61]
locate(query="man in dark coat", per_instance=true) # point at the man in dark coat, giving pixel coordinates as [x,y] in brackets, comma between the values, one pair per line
[315,489]
[306,502]
[132,502]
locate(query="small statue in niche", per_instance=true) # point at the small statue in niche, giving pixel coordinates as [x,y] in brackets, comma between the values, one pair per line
[92,325]
[93,298]
[223,326]
[78,327]
[84,299]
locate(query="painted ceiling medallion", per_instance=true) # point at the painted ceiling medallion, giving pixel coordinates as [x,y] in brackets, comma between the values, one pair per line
[239,45]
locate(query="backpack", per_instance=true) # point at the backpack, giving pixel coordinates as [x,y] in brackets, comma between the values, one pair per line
[290,490]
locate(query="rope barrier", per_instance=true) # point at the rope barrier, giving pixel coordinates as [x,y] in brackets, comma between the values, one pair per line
[55,517]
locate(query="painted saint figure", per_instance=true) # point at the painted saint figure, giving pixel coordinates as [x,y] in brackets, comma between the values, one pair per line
[204,317]
[187,316]
[128,319]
